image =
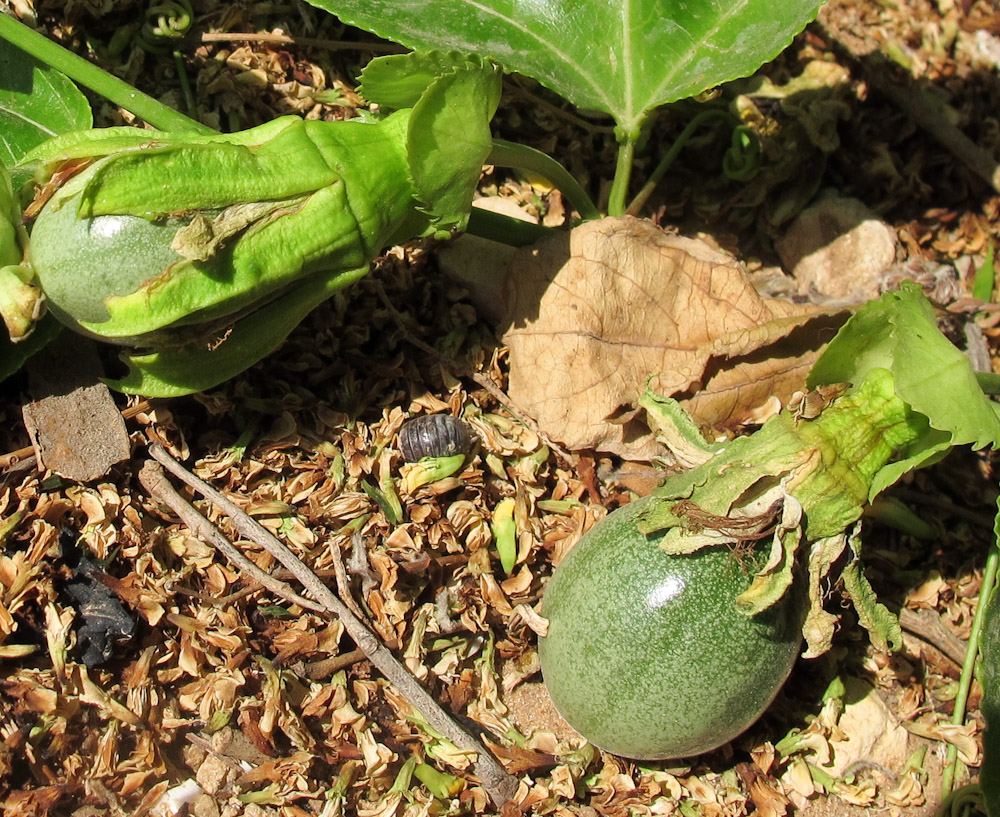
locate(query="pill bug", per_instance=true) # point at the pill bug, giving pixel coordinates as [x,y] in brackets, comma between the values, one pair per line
[434,435]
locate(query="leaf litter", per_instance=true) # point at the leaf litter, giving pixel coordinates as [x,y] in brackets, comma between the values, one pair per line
[234,702]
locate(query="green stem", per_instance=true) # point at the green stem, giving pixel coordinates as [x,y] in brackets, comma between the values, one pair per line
[85,73]
[189,100]
[988,382]
[654,179]
[623,172]
[971,654]
[506,230]
[511,154]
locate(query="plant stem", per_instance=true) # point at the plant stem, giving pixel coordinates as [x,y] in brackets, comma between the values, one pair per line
[506,230]
[623,172]
[671,156]
[971,654]
[511,154]
[97,79]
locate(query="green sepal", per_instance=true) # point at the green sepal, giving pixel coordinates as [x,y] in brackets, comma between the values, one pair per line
[882,626]
[674,427]
[99,143]
[46,158]
[819,627]
[773,579]
[274,161]
[201,365]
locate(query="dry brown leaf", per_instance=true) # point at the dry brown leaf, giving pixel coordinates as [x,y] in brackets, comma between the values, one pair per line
[593,313]
[872,732]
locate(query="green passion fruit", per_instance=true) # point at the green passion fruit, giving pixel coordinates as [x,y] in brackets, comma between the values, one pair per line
[81,262]
[647,655]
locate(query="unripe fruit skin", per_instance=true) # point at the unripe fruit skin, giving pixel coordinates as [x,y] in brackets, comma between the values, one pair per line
[83,261]
[646,654]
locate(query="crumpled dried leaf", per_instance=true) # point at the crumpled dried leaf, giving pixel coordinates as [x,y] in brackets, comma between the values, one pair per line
[871,732]
[591,315]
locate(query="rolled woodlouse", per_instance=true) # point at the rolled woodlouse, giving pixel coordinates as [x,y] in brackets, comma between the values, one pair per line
[434,435]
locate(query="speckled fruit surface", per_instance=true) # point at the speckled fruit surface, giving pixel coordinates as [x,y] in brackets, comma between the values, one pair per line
[81,262]
[646,654]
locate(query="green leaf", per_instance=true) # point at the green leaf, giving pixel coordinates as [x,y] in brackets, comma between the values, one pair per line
[399,80]
[36,103]
[898,332]
[623,58]
[448,142]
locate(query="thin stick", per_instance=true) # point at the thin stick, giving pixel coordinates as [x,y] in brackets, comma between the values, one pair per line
[325,667]
[343,582]
[155,481]
[498,783]
[284,39]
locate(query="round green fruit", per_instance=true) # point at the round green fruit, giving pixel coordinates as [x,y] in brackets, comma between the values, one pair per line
[81,262]
[647,655]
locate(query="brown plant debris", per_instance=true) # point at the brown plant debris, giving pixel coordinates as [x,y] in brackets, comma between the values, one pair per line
[591,316]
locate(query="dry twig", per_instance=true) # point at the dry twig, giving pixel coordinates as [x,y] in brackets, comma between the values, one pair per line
[498,783]
[867,53]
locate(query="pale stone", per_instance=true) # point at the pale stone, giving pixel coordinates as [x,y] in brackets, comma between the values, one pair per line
[837,250]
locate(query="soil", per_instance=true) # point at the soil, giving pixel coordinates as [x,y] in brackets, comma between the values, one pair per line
[205,682]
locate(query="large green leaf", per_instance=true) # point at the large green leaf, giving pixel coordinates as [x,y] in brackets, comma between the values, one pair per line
[623,57]
[36,103]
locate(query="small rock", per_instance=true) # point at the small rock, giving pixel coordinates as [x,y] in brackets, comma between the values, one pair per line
[838,249]
[213,774]
[74,425]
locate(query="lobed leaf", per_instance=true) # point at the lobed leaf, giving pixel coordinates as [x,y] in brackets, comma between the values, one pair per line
[622,58]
